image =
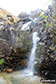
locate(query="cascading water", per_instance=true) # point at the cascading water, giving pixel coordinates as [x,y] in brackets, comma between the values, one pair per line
[26,26]
[35,40]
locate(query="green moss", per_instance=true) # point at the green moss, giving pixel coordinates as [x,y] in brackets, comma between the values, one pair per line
[41,15]
[46,17]
[1,61]
[45,29]
[47,24]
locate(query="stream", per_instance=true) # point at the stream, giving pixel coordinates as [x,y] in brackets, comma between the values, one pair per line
[19,78]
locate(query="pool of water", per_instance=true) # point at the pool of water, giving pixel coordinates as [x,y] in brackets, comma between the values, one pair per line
[19,77]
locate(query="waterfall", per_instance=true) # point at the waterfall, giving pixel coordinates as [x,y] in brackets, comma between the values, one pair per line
[26,26]
[32,56]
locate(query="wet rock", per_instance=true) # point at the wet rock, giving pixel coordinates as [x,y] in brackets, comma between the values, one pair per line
[35,74]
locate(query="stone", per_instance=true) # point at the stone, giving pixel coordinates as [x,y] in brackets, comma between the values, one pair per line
[35,74]
[5,49]
[10,18]
[4,14]
[9,70]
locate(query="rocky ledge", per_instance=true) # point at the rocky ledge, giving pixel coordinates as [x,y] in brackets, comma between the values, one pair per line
[14,43]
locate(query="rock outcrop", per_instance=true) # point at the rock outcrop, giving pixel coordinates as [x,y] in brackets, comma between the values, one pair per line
[47,66]
[14,43]
[8,16]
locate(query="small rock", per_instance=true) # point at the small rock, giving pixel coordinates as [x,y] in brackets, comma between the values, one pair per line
[9,70]
[35,73]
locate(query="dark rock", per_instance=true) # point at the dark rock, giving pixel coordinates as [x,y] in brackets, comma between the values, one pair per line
[35,74]
[10,18]
[14,46]
[5,48]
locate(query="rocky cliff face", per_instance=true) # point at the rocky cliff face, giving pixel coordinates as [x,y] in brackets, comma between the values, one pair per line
[47,67]
[8,16]
[14,43]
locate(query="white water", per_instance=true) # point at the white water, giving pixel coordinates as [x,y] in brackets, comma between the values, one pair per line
[35,40]
[26,26]
[30,69]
